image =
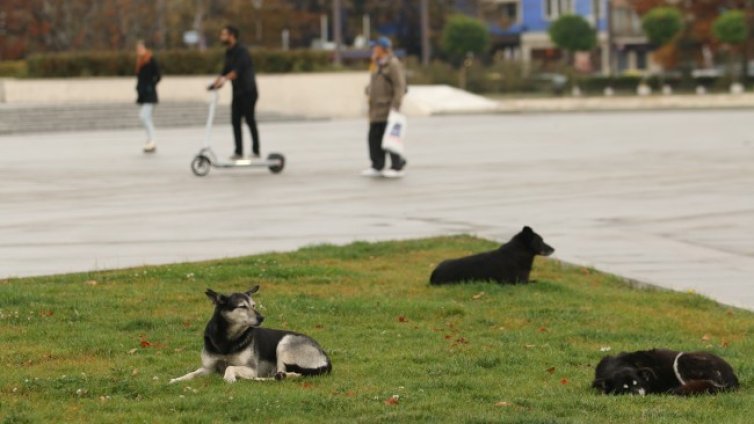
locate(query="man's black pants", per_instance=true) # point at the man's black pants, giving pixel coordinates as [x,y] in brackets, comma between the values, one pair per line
[377,153]
[244,106]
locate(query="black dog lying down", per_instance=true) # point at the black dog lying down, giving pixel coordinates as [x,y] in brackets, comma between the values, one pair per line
[664,371]
[510,263]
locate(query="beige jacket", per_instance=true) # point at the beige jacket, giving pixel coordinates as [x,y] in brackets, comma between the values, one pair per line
[386,89]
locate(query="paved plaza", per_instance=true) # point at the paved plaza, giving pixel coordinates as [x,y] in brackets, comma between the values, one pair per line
[665,198]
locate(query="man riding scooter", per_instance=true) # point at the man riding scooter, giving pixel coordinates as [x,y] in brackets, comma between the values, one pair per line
[239,69]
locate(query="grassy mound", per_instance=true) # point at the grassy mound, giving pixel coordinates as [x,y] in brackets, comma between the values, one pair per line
[101,347]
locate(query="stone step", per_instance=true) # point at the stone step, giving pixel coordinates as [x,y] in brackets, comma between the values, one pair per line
[47,118]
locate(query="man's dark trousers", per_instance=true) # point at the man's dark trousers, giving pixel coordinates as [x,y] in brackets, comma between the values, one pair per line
[244,106]
[376,152]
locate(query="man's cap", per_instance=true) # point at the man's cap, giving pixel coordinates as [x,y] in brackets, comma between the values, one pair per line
[383,42]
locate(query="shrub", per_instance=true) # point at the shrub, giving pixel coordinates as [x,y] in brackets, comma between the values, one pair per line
[573,33]
[462,35]
[173,62]
[662,24]
[13,68]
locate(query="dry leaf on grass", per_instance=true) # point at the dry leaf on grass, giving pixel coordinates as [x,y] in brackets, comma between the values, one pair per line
[392,400]
[550,370]
[401,318]
[478,296]
[505,404]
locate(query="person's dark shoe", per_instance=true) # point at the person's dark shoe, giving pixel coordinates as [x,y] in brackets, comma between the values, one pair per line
[236,156]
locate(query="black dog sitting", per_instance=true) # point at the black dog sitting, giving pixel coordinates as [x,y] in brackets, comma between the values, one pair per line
[664,371]
[510,263]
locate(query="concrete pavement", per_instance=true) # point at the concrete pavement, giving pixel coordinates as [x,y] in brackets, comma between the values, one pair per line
[665,198]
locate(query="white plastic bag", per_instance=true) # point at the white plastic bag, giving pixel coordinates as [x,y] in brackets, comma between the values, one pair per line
[395,133]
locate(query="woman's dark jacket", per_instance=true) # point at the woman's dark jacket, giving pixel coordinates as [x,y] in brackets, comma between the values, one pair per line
[147,79]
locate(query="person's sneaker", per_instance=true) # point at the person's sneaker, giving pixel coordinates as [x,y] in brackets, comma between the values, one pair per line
[236,156]
[392,173]
[150,147]
[371,172]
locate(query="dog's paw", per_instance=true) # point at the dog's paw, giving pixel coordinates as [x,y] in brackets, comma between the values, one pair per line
[280,375]
[173,381]
[230,378]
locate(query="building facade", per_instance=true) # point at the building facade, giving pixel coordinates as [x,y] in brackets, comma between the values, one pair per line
[519,30]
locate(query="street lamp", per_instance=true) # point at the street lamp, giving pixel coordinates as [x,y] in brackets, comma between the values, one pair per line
[257,5]
[337,34]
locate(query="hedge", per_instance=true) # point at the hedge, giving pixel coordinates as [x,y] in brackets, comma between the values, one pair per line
[13,68]
[173,62]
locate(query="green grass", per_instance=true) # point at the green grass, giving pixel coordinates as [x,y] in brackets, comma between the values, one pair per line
[75,351]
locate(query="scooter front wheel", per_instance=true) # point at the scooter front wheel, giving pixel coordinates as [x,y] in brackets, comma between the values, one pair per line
[201,165]
[278,167]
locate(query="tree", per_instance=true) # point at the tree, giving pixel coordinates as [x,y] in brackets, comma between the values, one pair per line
[730,28]
[662,25]
[462,35]
[573,33]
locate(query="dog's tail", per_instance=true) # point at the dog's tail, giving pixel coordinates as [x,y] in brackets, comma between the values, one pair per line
[309,371]
[700,387]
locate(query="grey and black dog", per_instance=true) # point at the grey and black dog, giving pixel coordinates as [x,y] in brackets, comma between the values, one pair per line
[236,347]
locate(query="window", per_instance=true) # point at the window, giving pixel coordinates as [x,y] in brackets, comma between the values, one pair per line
[556,8]
[501,12]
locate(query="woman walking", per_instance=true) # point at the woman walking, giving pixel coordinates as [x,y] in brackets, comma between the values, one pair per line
[147,75]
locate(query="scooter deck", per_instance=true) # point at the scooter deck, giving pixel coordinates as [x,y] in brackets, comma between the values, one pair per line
[263,163]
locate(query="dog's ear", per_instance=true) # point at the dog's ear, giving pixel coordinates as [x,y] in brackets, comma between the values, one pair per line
[252,290]
[527,230]
[216,298]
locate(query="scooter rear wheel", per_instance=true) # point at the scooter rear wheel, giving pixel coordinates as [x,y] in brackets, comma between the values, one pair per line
[280,159]
[201,165]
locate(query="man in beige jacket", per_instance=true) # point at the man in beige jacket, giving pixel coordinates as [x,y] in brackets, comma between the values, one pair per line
[386,89]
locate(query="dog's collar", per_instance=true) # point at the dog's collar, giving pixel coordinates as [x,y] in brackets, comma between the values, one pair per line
[675,369]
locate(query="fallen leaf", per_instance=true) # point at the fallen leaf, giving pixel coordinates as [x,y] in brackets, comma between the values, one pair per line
[90,282]
[319,326]
[402,319]
[144,342]
[605,349]
[530,346]
[506,404]
[47,313]
[132,351]
[135,371]
[706,338]
[724,343]
[542,329]
[392,400]
[448,336]
[551,370]
[478,296]
[564,381]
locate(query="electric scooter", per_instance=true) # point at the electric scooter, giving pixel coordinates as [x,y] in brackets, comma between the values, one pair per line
[206,158]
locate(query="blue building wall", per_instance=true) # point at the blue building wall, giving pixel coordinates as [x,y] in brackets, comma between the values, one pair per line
[533,17]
